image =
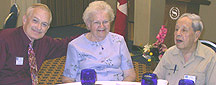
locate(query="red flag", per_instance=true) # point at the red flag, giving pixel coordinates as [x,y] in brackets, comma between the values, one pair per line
[121,17]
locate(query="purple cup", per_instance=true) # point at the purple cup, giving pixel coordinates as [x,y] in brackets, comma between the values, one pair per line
[186,82]
[149,79]
[88,77]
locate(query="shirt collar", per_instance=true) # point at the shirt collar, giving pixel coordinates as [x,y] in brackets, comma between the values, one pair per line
[24,37]
[198,52]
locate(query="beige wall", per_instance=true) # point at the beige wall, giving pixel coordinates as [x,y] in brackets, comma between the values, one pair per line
[141,21]
[208,15]
[148,18]
[5,7]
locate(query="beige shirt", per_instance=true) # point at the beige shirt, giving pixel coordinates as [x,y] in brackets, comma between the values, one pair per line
[202,65]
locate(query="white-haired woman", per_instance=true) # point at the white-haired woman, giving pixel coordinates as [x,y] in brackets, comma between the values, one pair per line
[99,49]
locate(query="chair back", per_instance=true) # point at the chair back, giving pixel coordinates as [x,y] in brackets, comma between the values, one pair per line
[209,44]
[11,19]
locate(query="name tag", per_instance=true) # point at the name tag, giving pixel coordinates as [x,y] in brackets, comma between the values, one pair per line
[193,78]
[19,60]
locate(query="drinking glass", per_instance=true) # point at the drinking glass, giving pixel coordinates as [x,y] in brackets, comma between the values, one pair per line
[149,79]
[186,82]
[88,77]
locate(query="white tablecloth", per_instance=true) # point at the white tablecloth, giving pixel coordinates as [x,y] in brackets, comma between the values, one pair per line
[159,82]
[106,83]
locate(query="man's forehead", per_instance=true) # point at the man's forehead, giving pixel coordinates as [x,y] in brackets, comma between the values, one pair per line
[41,15]
[184,20]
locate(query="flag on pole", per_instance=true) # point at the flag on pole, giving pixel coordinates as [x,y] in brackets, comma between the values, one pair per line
[121,18]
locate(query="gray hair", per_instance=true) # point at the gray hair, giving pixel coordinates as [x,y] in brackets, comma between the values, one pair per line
[197,24]
[97,6]
[41,6]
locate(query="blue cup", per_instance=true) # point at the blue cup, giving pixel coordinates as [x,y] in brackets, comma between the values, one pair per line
[186,82]
[88,77]
[149,79]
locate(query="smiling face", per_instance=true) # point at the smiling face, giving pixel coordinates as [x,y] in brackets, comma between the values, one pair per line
[99,25]
[184,35]
[36,23]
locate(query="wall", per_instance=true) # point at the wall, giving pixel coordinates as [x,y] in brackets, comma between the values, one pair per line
[5,8]
[157,18]
[141,21]
[208,15]
[148,18]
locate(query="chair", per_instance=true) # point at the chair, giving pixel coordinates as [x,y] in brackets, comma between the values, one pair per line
[51,71]
[209,44]
[11,19]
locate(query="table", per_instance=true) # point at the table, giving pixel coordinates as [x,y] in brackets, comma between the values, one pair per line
[106,83]
[159,82]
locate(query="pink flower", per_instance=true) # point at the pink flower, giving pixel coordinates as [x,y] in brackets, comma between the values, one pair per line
[162,34]
[158,45]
